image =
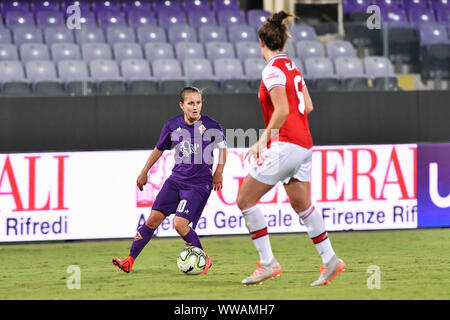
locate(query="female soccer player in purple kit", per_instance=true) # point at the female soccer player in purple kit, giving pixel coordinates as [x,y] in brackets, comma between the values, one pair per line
[187,190]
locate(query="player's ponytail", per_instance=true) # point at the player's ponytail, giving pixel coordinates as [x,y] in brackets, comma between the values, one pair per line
[274,32]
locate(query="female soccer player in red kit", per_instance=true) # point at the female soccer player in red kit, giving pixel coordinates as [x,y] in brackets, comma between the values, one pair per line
[285,103]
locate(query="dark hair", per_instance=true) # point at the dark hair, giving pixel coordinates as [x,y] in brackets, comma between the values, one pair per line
[274,32]
[187,90]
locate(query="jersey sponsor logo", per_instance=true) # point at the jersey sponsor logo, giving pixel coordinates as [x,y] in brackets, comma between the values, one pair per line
[187,148]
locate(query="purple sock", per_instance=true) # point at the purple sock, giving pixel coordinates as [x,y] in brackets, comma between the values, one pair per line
[143,236]
[193,238]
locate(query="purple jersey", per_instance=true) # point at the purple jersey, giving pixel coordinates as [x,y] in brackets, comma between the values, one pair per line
[194,145]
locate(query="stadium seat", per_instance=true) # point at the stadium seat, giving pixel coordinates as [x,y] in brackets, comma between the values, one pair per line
[167,4]
[248,49]
[45,19]
[212,33]
[230,72]
[253,70]
[89,34]
[171,16]
[169,74]
[13,80]
[65,51]
[393,17]
[143,5]
[105,5]
[42,74]
[303,32]
[380,70]
[439,5]
[14,19]
[117,34]
[74,74]
[151,34]
[219,5]
[93,51]
[107,75]
[158,50]
[5,36]
[189,50]
[180,32]
[88,19]
[320,71]
[309,48]
[8,5]
[228,17]
[415,4]
[137,17]
[27,35]
[298,63]
[350,71]
[419,15]
[339,48]
[431,33]
[256,17]
[239,32]
[44,5]
[216,50]
[198,68]
[201,17]
[192,5]
[443,15]
[137,73]
[109,18]
[8,52]
[34,51]
[352,6]
[58,34]
[127,50]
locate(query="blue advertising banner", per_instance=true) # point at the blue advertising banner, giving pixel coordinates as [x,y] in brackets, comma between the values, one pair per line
[433,174]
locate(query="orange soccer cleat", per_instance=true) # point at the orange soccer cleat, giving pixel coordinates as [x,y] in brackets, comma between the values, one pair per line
[124,264]
[208,265]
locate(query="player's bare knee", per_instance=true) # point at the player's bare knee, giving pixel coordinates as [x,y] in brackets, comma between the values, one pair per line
[181,227]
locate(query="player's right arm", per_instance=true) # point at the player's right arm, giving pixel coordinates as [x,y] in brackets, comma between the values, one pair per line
[164,143]
[143,176]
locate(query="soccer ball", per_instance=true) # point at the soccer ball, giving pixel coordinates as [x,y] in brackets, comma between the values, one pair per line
[192,260]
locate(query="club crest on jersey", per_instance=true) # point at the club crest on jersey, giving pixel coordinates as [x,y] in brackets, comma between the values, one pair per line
[202,129]
[138,236]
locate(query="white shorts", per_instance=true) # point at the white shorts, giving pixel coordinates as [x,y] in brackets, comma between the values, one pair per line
[282,162]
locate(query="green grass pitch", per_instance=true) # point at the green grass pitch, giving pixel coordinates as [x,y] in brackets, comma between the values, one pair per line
[413,264]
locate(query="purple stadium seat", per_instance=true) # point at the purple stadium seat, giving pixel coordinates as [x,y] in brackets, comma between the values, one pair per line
[418,15]
[124,50]
[253,68]
[298,63]
[198,68]
[171,16]
[219,5]
[27,35]
[14,19]
[394,17]
[84,5]
[99,5]
[34,51]
[180,32]
[409,4]
[164,69]
[104,70]
[73,70]
[108,18]
[351,6]
[192,5]
[151,34]
[45,5]
[88,19]
[348,67]
[14,5]
[132,5]
[228,17]
[239,32]
[116,34]
[339,48]
[212,33]
[256,17]
[58,34]
[443,15]
[89,34]
[309,48]
[158,50]
[431,33]
[165,4]
[65,51]
[201,18]
[303,32]
[135,69]
[248,49]
[12,71]
[8,52]
[386,4]
[319,67]
[439,4]
[5,36]
[228,68]
[378,67]
[189,50]
[216,50]
[46,19]
[140,17]
[39,71]
[94,51]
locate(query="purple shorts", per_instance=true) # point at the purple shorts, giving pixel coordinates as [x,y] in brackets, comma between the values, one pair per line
[186,201]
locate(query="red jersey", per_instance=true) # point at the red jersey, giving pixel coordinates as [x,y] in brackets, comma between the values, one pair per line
[281,71]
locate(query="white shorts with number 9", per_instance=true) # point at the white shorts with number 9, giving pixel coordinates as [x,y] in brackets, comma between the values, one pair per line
[281,162]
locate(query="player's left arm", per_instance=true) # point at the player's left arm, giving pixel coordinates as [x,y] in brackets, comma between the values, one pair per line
[217,182]
[308,102]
